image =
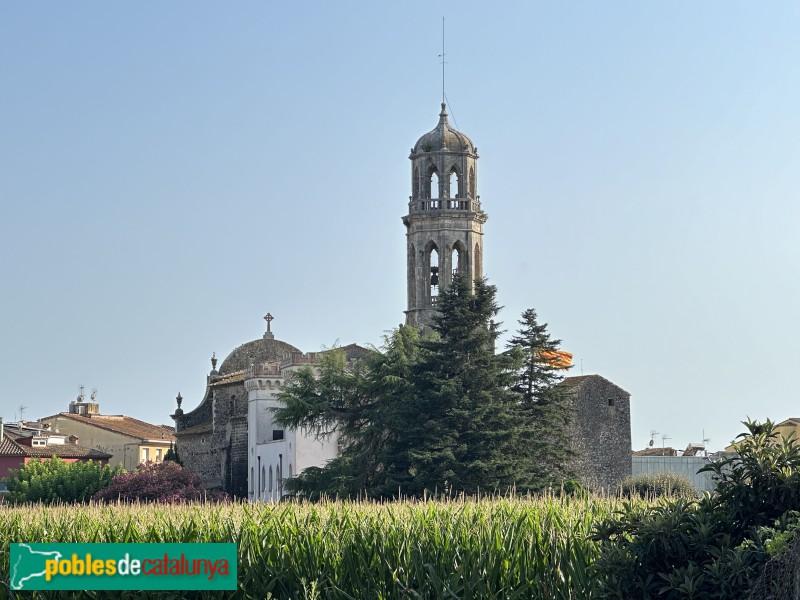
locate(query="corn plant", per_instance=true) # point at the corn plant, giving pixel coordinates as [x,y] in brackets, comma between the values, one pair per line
[490,548]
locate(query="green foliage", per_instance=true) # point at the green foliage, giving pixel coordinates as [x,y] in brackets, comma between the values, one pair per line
[548,413]
[165,482]
[531,549]
[172,455]
[467,424]
[656,485]
[54,481]
[435,415]
[713,547]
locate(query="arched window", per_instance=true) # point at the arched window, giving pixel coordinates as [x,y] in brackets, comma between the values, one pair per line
[478,262]
[433,261]
[252,480]
[452,186]
[290,469]
[459,259]
[412,293]
[263,480]
[415,184]
[435,185]
[270,478]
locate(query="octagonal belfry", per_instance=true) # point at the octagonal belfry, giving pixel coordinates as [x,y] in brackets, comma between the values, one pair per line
[444,224]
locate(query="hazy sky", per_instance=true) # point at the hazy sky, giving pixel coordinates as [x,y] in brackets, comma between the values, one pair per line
[171,171]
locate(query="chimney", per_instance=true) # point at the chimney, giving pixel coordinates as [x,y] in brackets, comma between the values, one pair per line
[2,432]
[73,439]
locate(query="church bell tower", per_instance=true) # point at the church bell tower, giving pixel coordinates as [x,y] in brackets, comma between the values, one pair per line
[444,224]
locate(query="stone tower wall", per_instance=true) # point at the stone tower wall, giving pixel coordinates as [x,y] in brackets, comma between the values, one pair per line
[600,433]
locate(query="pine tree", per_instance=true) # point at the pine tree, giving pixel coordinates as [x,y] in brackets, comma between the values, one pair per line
[545,403]
[432,415]
[368,403]
[468,430]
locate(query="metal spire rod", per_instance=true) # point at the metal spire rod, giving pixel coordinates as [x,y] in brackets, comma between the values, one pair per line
[442,55]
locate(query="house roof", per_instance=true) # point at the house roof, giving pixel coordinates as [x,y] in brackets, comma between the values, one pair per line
[656,452]
[579,380]
[123,425]
[9,447]
[202,428]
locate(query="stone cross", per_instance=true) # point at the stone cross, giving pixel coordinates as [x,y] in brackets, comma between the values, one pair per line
[268,318]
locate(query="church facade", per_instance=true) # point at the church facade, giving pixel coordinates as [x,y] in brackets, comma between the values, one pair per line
[231,440]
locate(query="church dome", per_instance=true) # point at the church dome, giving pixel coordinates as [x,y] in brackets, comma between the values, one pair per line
[443,137]
[256,352]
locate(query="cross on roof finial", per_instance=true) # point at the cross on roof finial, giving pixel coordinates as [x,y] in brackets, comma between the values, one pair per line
[268,318]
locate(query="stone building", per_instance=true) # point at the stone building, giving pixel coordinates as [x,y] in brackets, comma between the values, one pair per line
[230,438]
[444,224]
[230,434]
[600,432]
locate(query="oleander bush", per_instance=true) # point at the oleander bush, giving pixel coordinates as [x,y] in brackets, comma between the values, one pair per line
[54,480]
[165,483]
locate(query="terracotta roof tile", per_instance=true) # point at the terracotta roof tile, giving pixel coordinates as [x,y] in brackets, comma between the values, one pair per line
[123,425]
[9,447]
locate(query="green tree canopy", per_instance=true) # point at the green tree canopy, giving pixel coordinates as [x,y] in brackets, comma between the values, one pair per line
[54,480]
[438,414]
[548,412]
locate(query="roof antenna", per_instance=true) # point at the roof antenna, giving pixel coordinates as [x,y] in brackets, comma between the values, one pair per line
[442,55]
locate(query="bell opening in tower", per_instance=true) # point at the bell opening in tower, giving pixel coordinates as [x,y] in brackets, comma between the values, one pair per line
[434,262]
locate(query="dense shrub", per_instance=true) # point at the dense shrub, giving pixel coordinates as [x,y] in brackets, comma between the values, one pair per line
[713,547]
[53,480]
[164,482]
[657,485]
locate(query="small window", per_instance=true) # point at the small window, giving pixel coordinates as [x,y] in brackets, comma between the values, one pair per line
[158,454]
[145,454]
[611,401]
[277,434]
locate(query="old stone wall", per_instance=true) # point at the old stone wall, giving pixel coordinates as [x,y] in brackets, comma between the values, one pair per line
[229,438]
[196,453]
[600,432]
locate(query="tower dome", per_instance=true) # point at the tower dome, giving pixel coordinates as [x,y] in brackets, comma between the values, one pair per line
[443,137]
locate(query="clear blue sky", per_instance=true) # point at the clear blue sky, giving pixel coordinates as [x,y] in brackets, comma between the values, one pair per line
[169,172]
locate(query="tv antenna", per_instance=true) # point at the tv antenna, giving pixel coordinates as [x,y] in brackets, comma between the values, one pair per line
[653,434]
[22,410]
[664,439]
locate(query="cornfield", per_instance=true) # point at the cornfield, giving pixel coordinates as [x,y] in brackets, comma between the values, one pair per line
[492,548]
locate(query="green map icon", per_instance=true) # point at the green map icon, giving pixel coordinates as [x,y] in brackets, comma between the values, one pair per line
[28,564]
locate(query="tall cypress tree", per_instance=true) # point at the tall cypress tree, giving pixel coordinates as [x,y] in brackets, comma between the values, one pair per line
[545,403]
